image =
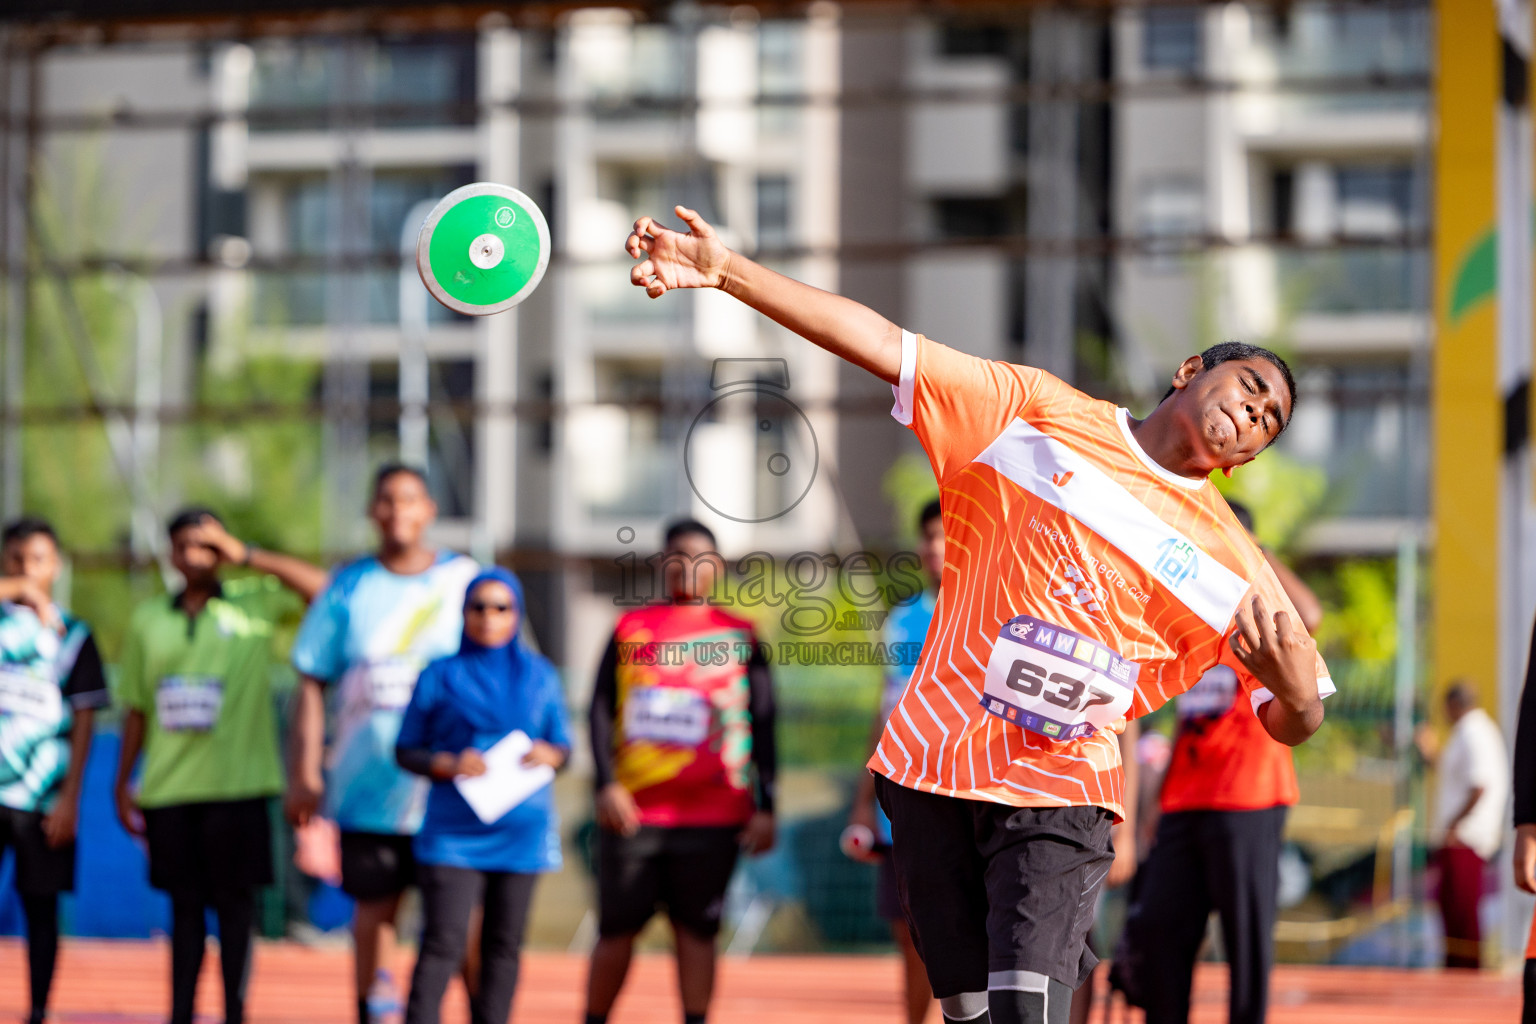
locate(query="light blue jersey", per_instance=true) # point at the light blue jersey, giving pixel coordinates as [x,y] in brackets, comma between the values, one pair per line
[905,630]
[367,637]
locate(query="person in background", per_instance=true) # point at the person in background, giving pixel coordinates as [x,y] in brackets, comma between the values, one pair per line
[463,706]
[365,640]
[674,740]
[1524,788]
[196,680]
[1223,808]
[1469,815]
[906,628]
[51,684]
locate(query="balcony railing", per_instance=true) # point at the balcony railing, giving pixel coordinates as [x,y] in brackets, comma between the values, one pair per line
[1354,279]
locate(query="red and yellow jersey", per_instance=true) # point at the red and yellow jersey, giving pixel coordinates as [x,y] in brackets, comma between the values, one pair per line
[683,728]
[1083,585]
[1223,758]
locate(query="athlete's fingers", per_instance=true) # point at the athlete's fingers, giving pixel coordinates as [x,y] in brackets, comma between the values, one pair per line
[1261,621]
[640,272]
[1247,629]
[696,224]
[656,289]
[1235,641]
[1282,626]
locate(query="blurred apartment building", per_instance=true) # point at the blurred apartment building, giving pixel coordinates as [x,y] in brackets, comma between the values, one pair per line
[1098,191]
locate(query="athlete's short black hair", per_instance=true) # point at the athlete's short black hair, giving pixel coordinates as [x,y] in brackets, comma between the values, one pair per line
[930,512]
[684,527]
[1229,351]
[192,515]
[26,528]
[391,469]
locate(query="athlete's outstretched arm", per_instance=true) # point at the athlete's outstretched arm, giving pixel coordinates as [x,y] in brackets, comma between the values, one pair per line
[671,259]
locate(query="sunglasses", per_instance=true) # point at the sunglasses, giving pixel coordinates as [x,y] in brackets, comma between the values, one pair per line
[487,606]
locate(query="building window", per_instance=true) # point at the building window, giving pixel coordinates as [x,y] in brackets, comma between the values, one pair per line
[971,217]
[1381,201]
[306,225]
[1367,425]
[1171,41]
[450,429]
[1170,217]
[972,39]
[775,215]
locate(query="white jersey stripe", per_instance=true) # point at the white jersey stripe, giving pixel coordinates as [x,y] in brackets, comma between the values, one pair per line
[1034,460]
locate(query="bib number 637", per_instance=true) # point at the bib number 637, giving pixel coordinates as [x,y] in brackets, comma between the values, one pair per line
[1056,688]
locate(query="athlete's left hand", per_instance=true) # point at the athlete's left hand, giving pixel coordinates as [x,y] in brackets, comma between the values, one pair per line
[758,835]
[1278,652]
[1123,836]
[59,824]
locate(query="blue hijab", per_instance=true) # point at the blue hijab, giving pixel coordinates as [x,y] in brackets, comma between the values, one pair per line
[485,683]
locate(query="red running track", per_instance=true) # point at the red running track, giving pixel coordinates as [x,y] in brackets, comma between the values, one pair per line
[128,983]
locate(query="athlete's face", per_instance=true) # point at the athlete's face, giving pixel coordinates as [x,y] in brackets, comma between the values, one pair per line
[491,615]
[691,566]
[35,557]
[931,549]
[402,510]
[1231,411]
[197,562]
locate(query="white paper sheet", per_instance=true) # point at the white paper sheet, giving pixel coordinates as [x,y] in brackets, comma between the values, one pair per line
[506,783]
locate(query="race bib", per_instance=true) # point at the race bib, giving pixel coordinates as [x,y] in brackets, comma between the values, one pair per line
[1211,696]
[22,693]
[1055,682]
[189,703]
[666,714]
[391,681]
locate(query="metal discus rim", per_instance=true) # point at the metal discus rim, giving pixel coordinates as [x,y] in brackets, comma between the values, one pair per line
[453,199]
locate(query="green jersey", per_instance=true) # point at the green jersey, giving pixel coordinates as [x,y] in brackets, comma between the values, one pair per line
[204,686]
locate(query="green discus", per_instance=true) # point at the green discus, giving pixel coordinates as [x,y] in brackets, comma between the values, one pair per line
[483,249]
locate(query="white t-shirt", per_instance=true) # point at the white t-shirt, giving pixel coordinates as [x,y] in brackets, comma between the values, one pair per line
[1474,757]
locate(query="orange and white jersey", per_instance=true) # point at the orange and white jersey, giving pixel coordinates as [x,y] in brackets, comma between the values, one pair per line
[1083,585]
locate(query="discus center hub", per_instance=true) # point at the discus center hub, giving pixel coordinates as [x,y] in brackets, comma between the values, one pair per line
[486,251]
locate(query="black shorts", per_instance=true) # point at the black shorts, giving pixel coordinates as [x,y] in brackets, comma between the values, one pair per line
[204,848]
[376,865]
[41,870]
[887,900]
[685,870]
[989,888]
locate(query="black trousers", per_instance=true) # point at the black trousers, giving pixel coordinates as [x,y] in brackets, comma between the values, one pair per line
[1227,861]
[448,895]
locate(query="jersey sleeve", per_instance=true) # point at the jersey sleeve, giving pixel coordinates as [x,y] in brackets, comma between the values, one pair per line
[86,684]
[956,403]
[319,649]
[1267,586]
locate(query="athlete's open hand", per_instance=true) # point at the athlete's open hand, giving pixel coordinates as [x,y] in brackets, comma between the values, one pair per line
[759,834]
[1525,857]
[675,260]
[616,810]
[128,812]
[1123,868]
[59,823]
